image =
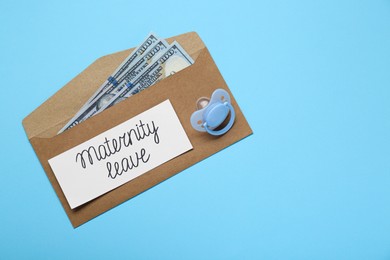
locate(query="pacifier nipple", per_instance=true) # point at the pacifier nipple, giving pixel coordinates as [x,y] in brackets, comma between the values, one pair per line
[202,102]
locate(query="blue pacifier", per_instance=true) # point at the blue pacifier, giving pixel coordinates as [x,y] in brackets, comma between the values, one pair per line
[212,113]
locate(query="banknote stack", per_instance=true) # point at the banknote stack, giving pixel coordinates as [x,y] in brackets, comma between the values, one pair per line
[149,63]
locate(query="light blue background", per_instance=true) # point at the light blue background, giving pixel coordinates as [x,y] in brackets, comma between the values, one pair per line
[312,78]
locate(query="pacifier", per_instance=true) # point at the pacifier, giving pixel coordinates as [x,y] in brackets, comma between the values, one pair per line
[213,112]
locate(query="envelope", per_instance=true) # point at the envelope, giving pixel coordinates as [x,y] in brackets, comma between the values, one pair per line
[182,89]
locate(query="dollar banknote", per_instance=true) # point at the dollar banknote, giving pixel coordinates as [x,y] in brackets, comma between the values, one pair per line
[129,69]
[112,80]
[168,63]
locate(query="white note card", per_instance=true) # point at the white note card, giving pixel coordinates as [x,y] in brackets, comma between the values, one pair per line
[120,154]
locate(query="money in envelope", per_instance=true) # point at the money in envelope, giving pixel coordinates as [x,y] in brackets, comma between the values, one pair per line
[108,81]
[153,60]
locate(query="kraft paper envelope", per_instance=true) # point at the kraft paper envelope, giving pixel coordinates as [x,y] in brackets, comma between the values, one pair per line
[182,89]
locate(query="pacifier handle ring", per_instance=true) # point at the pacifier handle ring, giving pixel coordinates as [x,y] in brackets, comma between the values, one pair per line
[227,127]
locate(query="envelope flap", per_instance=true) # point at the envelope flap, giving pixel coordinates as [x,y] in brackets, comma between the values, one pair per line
[49,117]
